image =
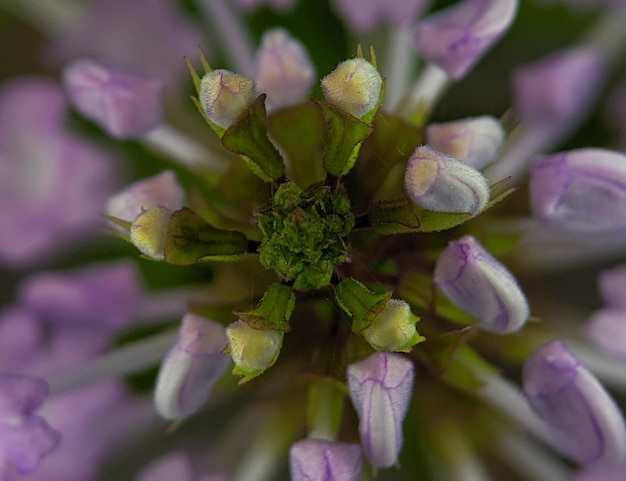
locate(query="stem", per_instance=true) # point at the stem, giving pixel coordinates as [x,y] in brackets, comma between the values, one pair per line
[464,464]
[325,408]
[123,361]
[400,65]
[48,16]
[232,34]
[427,90]
[608,35]
[185,150]
[168,304]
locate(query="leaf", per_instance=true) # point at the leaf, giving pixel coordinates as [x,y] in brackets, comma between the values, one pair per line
[273,311]
[248,136]
[191,239]
[359,303]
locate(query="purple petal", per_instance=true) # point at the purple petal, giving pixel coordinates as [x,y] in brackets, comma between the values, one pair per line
[317,460]
[607,329]
[174,466]
[612,284]
[365,15]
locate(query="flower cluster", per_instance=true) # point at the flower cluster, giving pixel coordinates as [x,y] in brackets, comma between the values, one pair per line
[307,278]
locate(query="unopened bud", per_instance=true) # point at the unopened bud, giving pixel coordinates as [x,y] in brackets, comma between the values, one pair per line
[225,95]
[192,366]
[253,350]
[473,141]
[440,183]
[148,231]
[355,86]
[477,283]
[284,70]
[394,328]
[123,104]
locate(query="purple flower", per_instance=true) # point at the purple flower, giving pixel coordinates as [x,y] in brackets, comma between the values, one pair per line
[284,70]
[438,182]
[123,104]
[473,141]
[107,294]
[151,38]
[365,15]
[477,283]
[456,38]
[380,388]
[25,438]
[612,284]
[560,87]
[602,473]
[317,460]
[281,5]
[172,467]
[585,423]
[161,190]
[607,329]
[191,367]
[581,190]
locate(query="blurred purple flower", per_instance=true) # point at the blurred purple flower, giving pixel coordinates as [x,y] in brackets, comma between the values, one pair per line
[123,104]
[381,387]
[280,5]
[581,191]
[150,37]
[606,328]
[602,473]
[585,423]
[53,184]
[479,284]
[318,460]
[365,15]
[455,39]
[173,466]
[612,285]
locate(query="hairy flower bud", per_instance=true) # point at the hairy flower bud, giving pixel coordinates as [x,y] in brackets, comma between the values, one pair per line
[380,389]
[163,189]
[581,190]
[355,86]
[438,182]
[394,328]
[25,438]
[148,232]
[477,283]
[284,70]
[225,95]
[560,87]
[192,366]
[123,104]
[473,141]
[253,350]
[585,423]
[317,460]
[455,39]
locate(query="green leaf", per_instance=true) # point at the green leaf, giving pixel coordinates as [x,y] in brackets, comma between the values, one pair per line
[273,311]
[344,135]
[191,239]
[362,305]
[300,131]
[248,137]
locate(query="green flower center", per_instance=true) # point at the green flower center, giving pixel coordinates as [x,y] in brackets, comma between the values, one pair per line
[305,234]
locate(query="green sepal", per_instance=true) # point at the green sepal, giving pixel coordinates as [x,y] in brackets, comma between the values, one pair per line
[344,135]
[326,399]
[400,216]
[273,311]
[362,305]
[248,136]
[216,128]
[191,239]
[124,224]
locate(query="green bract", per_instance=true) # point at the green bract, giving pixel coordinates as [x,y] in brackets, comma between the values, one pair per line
[304,234]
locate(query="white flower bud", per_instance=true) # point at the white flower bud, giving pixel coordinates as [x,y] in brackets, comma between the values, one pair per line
[225,95]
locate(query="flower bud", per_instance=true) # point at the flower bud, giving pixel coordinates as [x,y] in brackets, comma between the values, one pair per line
[148,232]
[477,283]
[284,70]
[581,191]
[225,95]
[473,141]
[25,438]
[253,350]
[192,366]
[394,328]
[607,329]
[124,105]
[355,86]
[162,189]
[317,460]
[455,39]
[560,87]
[612,284]
[440,183]
[381,388]
[585,423]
